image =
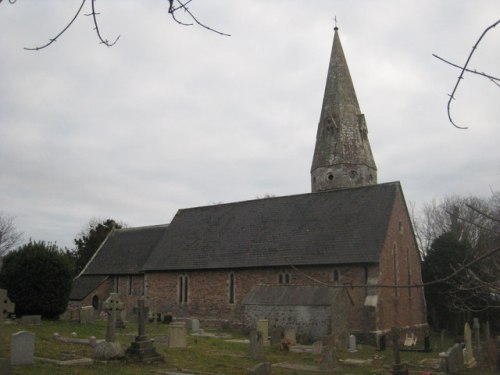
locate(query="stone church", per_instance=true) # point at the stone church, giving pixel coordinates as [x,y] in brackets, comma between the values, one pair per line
[228,263]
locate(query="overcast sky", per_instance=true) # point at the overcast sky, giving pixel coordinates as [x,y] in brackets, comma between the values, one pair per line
[174,117]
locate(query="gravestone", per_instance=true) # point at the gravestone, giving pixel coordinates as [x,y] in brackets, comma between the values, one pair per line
[291,335]
[195,325]
[263,328]
[398,368]
[142,349]
[110,349]
[453,360]
[177,335]
[22,348]
[6,307]
[275,334]
[263,368]
[256,345]
[31,320]
[381,343]
[477,338]
[352,344]
[317,347]
[87,314]
[470,361]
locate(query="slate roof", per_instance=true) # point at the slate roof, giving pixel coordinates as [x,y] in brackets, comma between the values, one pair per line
[293,295]
[332,227]
[125,251]
[84,285]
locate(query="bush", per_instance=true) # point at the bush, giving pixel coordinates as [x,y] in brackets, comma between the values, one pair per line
[37,277]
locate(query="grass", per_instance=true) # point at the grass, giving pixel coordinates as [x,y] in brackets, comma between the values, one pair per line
[203,354]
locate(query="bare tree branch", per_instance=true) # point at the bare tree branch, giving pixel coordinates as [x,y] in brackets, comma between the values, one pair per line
[183,6]
[103,41]
[415,285]
[495,80]
[9,236]
[461,76]
[62,31]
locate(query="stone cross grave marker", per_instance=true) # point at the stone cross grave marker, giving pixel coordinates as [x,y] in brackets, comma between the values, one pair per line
[142,348]
[6,307]
[398,368]
[470,361]
[112,305]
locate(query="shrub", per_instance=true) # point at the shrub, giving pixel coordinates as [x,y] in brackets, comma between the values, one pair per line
[38,279]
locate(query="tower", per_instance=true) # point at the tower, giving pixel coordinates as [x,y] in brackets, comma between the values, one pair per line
[342,155]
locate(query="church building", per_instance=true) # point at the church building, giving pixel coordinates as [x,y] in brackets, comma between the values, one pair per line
[222,263]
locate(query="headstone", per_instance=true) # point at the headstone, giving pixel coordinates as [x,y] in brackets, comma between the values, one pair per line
[31,320]
[22,348]
[87,314]
[453,360]
[6,307]
[477,338]
[352,344]
[263,328]
[470,361]
[177,335]
[256,345]
[275,336]
[381,343]
[142,349]
[398,368]
[317,347]
[291,335]
[263,368]
[195,325]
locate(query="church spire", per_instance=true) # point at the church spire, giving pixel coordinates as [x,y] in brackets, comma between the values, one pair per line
[342,156]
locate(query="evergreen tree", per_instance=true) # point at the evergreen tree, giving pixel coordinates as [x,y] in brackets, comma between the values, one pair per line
[38,279]
[91,238]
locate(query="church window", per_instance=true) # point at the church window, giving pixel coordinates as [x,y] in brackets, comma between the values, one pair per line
[401,228]
[366,279]
[183,282]
[408,270]
[95,302]
[395,269]
[116,282]
[232,288]
[336,275]
[129,285]
[284,278]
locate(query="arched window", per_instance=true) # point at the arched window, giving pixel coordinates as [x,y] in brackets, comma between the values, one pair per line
[284,278]
[95,302]
[232,288]
[183,286]
[395,268]
[336,275]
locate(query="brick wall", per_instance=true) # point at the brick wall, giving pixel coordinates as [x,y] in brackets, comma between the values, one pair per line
[208,291]
[400,265]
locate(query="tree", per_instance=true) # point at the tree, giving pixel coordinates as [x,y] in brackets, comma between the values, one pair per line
[441,260]
[90,238]
[9,236]
[174,7]
[38,279]
[461,234]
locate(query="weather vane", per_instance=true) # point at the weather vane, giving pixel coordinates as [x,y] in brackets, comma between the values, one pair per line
[335,20]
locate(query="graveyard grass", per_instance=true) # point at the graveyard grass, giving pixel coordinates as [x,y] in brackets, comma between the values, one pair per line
[203,355]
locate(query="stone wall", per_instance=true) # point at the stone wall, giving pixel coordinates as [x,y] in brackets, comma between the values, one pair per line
[312,322]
